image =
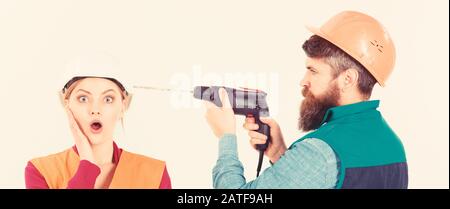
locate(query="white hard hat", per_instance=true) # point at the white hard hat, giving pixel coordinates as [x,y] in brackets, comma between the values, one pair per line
[101,65]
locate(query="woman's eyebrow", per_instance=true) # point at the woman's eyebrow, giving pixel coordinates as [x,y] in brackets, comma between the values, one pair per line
[108,91]
[87,92]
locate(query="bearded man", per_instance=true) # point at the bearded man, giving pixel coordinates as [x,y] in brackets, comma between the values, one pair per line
[349,144]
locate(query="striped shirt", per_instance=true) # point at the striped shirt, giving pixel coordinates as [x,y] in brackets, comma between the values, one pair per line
[310,163]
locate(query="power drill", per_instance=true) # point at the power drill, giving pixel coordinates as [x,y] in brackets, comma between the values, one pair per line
[247,102]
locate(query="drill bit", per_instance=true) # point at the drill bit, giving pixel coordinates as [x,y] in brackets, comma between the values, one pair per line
[163,89]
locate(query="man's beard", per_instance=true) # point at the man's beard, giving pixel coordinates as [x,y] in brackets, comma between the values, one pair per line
[313,109]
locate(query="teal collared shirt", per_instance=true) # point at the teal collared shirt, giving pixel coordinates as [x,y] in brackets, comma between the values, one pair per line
[310,163]
[338,112]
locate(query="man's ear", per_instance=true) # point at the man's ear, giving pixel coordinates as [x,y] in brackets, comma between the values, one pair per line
[348,79]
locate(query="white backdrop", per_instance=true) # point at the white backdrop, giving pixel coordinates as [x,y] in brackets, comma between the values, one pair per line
[162,42]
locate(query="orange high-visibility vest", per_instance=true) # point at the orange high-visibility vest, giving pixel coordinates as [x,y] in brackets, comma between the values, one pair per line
[132,171]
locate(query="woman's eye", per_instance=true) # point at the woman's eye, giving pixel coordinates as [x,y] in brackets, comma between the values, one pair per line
[109,99]
[83,99]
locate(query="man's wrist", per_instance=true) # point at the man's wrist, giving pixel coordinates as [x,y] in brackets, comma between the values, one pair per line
[227,145]
[228,135]
[277,155]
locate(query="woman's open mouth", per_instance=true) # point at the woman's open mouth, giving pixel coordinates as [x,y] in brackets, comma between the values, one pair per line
[96,127]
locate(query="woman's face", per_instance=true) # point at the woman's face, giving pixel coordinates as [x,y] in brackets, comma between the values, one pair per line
[97,105]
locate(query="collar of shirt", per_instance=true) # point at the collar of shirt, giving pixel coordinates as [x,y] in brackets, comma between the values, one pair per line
[116,152]
[350,109]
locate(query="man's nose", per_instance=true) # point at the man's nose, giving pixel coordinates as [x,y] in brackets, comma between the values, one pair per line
[304,82]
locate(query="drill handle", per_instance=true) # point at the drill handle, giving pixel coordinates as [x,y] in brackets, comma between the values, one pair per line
[264,129]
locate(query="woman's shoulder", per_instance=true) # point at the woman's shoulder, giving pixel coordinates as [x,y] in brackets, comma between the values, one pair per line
[54,156]
[130,156]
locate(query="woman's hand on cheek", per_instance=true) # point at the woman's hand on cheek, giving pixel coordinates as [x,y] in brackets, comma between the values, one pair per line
[81,140]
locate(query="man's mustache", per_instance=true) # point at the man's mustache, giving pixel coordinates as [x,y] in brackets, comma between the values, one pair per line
[306,93]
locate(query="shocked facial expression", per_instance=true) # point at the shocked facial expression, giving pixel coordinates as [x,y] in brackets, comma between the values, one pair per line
[97,106]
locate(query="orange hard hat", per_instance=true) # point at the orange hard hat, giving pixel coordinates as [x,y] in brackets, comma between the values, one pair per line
[363,38]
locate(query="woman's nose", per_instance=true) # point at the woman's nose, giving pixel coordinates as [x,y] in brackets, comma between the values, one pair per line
[95,109]
[95,113]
